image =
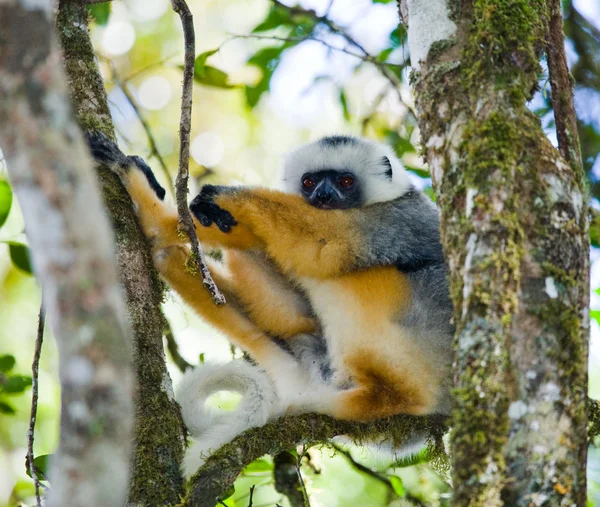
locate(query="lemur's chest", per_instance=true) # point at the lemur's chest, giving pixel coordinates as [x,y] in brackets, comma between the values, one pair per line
[360,302]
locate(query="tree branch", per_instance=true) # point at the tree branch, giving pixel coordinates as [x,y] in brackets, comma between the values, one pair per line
[562,90]
[222,468]
[181,185]
[159,433]
[37,351]
[73,256]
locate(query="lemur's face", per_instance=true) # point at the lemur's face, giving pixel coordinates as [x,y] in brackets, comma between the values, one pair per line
[329,189]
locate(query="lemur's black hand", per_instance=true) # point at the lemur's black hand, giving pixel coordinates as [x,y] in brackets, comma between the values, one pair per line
[106,151]
[207,212]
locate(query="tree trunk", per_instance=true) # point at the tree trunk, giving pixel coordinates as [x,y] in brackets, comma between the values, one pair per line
[73,256]
[515,233]
[159,433]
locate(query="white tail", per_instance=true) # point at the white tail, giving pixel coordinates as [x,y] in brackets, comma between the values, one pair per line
[212,428]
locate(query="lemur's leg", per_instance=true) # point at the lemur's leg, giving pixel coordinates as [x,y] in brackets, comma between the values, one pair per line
[274,307]
[266,296]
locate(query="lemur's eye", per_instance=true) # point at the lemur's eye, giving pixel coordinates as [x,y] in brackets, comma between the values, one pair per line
[346,181]
[308,182]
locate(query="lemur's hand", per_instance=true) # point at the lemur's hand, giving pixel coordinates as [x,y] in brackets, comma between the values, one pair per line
[207,212]
[107,152]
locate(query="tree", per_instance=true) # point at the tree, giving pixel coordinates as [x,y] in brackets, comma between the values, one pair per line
[515,231]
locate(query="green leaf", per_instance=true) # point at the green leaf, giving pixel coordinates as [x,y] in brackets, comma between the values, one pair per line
[200,60]
[5,201]
[42,466]
[16,384]
[595,314]
[277,17]
[398,485]
[403,146]
[344,103]
[207,75]
[6,408]
[7,363]
[19,255]
[384,55]
[381,1]
[201,358]
[259,465]
[412,459]
[398,36]
[100,12]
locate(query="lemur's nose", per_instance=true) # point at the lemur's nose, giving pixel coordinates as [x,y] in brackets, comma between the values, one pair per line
[324,195]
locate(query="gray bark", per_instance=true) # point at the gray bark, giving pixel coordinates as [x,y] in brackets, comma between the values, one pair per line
[515,233]
[73,257]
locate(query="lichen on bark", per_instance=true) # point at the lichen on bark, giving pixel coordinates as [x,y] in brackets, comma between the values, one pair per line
[514,229]
[159,433]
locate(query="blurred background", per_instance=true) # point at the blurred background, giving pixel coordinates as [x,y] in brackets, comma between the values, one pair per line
[269,76]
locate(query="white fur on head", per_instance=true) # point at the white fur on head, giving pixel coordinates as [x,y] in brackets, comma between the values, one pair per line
[364,158]
[211,428]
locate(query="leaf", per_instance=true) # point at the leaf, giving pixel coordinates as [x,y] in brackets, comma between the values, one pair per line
[412,459]
[398,485]
[19,255]
[403,146]
[5,201]
[277,17]
[100,12]
[259,465]
[384,55]
[419,171]
[6,408]
[344,103]
[16,384]
[42,466]
[201,58]
[595,314]
[398,36]
[267,60]
[7,363]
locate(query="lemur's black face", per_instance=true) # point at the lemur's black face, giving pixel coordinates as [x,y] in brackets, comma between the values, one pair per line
[329,189]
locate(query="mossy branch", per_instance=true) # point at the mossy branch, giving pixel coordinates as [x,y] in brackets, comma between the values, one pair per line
[220,471]
[159,433]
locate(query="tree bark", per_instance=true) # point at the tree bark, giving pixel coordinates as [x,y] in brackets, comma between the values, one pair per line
[73,256]
[515,232]
[159,433]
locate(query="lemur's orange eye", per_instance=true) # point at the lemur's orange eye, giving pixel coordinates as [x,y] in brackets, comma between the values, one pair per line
[308,182]
[346,181]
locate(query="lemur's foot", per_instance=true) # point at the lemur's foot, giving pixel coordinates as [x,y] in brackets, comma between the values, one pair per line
[107,152]
[207,212]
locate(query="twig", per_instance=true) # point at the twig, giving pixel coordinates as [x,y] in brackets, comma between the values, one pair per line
[185,222]
[151,141]
[338,30]
[37,351]
[173,348]
[375,475]
[301,480]
[251,495]
[288,479]
[562,91]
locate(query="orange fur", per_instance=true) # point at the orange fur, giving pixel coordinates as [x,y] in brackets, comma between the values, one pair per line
[327,245]
[273,306]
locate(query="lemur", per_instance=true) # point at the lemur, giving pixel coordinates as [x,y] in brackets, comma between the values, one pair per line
[349,251]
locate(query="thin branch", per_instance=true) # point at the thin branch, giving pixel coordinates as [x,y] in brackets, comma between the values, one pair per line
[301,481]
[251,495]
[375,475]
[173,348]
[562,90]
[288,480]
[338,30]
[185,222]
[151,141]
[37,351]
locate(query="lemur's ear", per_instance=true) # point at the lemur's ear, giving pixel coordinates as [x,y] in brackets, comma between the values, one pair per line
[388,167]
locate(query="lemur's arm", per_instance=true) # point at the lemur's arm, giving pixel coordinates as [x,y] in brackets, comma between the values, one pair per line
[255,291]
[307,241]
